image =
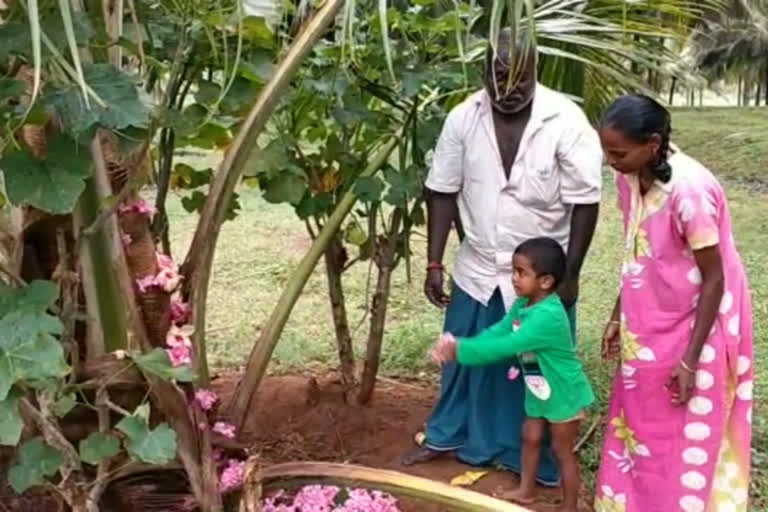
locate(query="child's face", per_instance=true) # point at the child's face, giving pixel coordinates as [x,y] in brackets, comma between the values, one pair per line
[525,281]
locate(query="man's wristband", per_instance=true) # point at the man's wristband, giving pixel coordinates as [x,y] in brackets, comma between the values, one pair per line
[433,265]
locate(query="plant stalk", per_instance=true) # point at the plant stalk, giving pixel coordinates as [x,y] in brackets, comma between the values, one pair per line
[199,260]
[265,345]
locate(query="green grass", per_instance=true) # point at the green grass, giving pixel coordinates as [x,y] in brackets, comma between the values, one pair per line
[258,250]
[732,142]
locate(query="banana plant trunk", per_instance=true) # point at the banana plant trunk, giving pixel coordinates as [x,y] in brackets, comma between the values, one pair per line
[199,260]
[265,344]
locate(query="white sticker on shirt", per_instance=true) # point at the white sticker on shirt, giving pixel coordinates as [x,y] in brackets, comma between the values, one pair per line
[539,386]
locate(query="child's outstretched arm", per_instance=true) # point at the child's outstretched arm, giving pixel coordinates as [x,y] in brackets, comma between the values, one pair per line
[501,342]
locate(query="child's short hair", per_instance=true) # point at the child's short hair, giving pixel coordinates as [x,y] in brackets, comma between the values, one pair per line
[546,255]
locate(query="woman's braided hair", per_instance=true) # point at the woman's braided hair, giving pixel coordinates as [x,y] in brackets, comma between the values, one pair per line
[639,117]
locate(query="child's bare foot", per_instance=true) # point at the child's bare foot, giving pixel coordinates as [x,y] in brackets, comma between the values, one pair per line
[519,495]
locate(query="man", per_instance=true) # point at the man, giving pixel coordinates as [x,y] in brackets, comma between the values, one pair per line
[515,162]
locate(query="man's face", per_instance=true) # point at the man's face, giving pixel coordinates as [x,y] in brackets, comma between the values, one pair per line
[511,95]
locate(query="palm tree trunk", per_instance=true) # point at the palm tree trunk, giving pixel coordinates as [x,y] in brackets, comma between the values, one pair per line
[739,92]
[672,87]
[766,82]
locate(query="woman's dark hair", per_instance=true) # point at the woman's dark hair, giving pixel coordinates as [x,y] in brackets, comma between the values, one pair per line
[639,117]
[546,255]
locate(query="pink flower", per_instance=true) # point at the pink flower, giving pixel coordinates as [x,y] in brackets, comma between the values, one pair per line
[225,429]
[166,262]
[145,283]
[513,372]
[167,279]
[206,399]
[179,355]
[180,311]
[178,337]
[139,206]
[126,239]
[232,476]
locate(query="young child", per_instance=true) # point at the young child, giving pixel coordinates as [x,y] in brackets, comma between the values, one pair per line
[536,327]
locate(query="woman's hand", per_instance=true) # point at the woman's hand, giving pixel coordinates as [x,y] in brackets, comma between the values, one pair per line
[680,384]
[611,340]
[444,350]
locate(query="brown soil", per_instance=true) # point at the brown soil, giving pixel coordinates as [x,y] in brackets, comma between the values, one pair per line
[297,419]
[305,419]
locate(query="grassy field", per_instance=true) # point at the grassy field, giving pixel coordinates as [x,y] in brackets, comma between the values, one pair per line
[257,252]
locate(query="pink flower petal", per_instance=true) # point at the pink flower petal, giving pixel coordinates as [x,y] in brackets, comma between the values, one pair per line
[232,476]
[145,283]
[180,311]
[513,372]
[179,355]
[206,399]
[225,429]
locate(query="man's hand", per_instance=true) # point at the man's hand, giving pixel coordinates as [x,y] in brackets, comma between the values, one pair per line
[569,292]
[433,288]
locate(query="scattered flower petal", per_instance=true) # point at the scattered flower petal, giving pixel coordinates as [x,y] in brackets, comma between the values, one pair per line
[225,429]
[206,399]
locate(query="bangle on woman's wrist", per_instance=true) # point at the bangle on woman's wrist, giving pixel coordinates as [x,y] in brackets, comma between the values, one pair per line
[614,322]
[687,368]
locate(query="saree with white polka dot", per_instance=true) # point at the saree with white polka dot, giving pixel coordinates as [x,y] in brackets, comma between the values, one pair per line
[658,457]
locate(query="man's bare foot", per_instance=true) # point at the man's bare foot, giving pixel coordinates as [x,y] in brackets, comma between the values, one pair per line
[519,495]
[420,456]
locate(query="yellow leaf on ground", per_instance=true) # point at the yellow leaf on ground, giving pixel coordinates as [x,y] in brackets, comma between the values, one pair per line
[468,478]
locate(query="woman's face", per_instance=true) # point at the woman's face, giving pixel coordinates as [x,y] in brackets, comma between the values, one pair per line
[625,155]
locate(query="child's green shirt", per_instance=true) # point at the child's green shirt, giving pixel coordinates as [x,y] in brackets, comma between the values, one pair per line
[563,389]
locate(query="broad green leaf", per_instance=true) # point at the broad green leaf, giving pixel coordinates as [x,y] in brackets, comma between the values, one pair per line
[256,30]
[207,92]
[11,423]
[118,90]
[156,446]
[258,67]
[28,349]
[159,364]
[285,188]
[64,405]
[271,160]
[314,205]
[97,447]
[10,88]
[210,136]
[412,81]
[354,234]
[37,296]
[36,460]
[369,188]
[53,184]
[195,201]
[240,96]
[187,177]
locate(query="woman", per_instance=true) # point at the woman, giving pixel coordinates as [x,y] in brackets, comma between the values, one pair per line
[679,427]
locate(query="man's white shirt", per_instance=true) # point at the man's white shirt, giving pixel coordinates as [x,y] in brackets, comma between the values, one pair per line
[558,165]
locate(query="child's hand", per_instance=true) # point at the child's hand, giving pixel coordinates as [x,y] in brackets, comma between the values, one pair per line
[444,350]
